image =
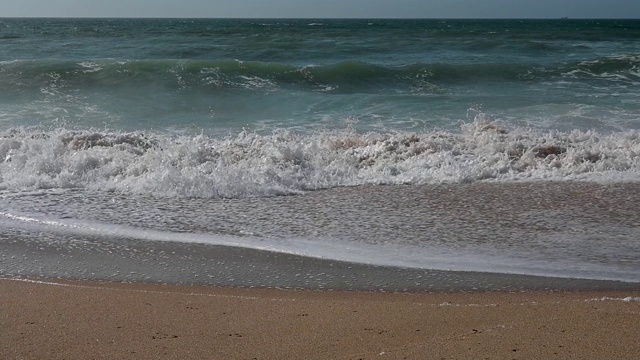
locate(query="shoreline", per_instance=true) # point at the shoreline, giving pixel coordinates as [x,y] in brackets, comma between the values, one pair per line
[150,262]
[79,320]
[574,230]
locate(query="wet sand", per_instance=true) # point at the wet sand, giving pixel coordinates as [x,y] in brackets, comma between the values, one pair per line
[31,255]
[93,320]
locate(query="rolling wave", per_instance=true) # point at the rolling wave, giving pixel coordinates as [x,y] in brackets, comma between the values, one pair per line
[348,76]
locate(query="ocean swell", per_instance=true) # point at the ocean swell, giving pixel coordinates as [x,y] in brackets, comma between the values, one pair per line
[343,77]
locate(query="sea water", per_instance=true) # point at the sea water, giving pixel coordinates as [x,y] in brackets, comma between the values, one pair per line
[484,145]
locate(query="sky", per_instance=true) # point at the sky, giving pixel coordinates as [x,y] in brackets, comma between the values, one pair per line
[323,8]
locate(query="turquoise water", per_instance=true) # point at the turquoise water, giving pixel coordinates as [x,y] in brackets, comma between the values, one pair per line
[129,117]
[222,75]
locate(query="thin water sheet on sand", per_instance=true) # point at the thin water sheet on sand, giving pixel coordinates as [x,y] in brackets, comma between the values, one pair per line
[359,238]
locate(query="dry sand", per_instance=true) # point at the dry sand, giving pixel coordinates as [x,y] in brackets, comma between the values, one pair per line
[81,320]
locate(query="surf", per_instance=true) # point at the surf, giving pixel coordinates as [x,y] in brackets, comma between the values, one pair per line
[284,162]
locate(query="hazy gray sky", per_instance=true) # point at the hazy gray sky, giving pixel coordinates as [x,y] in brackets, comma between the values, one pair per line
[324,8]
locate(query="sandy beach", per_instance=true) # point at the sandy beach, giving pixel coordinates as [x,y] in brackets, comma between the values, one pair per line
[93,320]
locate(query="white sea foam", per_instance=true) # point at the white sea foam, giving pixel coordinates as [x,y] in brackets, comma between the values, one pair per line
[90,67]
[625,299]
[250,164]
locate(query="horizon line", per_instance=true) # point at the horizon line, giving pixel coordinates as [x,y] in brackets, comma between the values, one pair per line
[316,18]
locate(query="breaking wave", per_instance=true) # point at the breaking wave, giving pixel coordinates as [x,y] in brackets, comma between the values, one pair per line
[255,165]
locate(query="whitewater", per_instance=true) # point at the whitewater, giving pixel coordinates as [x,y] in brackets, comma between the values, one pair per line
[286,163]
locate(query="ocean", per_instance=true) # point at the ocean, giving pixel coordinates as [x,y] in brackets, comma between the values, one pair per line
[225,151]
